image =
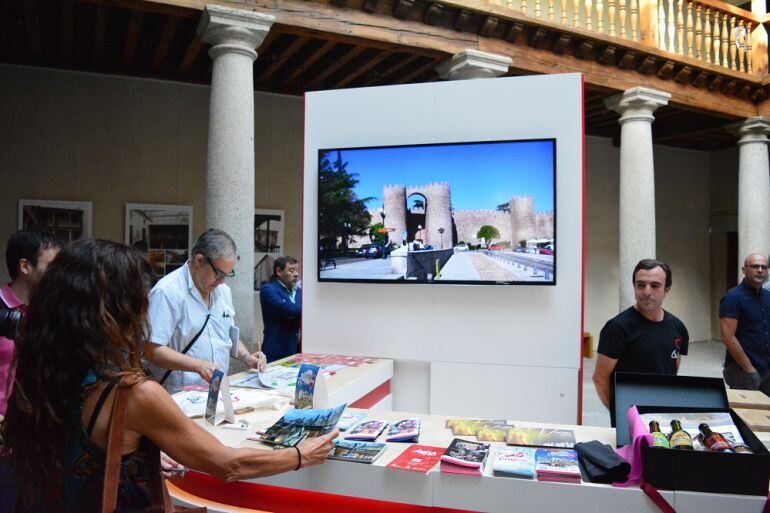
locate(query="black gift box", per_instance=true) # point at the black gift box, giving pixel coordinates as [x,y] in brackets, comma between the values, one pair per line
[672,469]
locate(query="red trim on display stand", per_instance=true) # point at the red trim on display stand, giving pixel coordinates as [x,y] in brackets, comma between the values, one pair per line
[373,397]
[582,244]
[278,499]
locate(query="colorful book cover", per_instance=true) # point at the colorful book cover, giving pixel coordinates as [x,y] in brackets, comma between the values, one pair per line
[557,465]
[418,458]
[406,430]
[464,457]
[360,452]
[541,437]
[348,420]
[514,461]
[303,394]
[368,430]
[296,425]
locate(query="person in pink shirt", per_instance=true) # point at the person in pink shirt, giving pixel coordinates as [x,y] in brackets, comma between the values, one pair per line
[27,256]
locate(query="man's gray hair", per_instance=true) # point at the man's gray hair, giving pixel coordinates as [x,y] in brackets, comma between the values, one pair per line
[215,243]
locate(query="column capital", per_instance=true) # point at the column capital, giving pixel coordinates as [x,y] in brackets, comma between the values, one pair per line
[753,130]
[233,30]
[637,104]
[470,64]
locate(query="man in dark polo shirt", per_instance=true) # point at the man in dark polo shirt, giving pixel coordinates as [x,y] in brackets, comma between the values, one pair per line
[643,338]
[744,319]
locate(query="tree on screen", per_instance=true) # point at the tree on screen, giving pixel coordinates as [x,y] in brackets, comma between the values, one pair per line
[488,233]
[341,214]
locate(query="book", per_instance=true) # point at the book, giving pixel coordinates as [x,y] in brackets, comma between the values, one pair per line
[348,420]
[465,457]
[540,437]
[360,452]
[367,431]
[297,425]
[559,465]
[406,430]
[514,461]
[417,458]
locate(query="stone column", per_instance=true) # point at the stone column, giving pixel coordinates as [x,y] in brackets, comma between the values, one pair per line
[234,34]
[473,64]
[637,181]
[753,188]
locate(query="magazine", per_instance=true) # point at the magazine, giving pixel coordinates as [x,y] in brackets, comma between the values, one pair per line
[515,461]
[417,458]
[296,425]
[360,452]
[367,431]
[465,457]
[348,420]
[406,430]
[543,437]
[559,465]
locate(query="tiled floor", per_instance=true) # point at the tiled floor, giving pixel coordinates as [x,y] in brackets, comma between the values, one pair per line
[703,359]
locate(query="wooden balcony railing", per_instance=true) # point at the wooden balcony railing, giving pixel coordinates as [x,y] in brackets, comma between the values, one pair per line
[709,31]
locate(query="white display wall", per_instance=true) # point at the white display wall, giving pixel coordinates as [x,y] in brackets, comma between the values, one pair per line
[505,351]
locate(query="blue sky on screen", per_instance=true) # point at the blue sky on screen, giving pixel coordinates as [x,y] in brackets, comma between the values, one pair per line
[480,176]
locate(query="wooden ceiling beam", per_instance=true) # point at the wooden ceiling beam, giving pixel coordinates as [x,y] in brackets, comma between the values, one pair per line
[685,125]
[298,43]
[32,26]
[67,30]
[100,32]
[371,63]
[419,71]
[132,37]
[349,56]
[161,50]
[299,70]
[190,56]
[393,70]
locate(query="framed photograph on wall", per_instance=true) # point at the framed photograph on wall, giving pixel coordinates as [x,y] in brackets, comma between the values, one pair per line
[67,220]
[268,243]
[163,231]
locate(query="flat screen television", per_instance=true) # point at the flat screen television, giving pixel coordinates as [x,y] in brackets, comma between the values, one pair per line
[458,213]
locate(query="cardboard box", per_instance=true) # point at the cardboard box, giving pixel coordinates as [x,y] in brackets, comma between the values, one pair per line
[672,469]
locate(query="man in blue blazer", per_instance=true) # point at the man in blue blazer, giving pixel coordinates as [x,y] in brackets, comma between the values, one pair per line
[281,302]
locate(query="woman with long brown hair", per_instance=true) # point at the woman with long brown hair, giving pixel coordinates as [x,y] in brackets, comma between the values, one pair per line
[84,335]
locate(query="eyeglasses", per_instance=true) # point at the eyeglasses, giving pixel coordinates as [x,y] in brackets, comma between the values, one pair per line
[758,266]
[220,275]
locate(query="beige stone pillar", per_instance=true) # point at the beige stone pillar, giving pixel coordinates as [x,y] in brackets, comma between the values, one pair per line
[637,181]
[753,189]
[234,34]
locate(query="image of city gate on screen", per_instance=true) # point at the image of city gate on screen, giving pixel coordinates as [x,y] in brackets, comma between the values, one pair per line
[471,213]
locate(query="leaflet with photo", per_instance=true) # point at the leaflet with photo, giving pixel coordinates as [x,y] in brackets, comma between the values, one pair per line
[359,452]
[348,420]
[559,465]
[296,425]
[368,430]
[514,461]
[541,437]
[418,458]
[405,430]
[465,457]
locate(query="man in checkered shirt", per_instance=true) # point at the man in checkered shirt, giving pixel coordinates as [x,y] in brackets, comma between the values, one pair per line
[179,306]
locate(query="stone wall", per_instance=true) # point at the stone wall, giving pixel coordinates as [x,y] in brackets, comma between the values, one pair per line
[468,223]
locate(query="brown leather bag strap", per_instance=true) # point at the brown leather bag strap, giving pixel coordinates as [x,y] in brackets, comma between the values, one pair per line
[114,450]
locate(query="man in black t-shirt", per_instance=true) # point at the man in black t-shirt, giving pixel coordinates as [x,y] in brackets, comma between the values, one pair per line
[644,338]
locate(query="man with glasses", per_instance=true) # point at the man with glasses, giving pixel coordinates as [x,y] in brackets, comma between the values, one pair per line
[191,314]
[744,321]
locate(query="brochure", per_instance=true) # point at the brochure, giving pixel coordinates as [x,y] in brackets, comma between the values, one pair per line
[543,437]
[219,383]
[303,393]
[471,427]
[464,457]
[406,430]
[296,425]
[348,420]
[273,377]
[360,452]
[559,465]
[514,461]
[367,431]
[193,402]
[418,458]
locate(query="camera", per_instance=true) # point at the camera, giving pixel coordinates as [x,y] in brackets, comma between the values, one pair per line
[10,321]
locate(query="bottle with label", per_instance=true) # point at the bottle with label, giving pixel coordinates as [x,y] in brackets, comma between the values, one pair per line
[714,442]
[679,438]
[741,449]
[658,438]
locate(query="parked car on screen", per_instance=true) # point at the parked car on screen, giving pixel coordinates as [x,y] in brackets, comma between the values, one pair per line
[461,247]
[497,247]
[546,250]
